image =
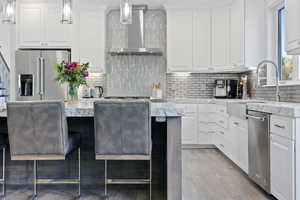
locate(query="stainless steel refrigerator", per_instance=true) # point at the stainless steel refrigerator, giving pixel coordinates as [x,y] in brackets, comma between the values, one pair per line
[35,74]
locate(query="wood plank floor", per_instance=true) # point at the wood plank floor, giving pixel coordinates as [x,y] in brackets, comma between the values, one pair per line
[207,175]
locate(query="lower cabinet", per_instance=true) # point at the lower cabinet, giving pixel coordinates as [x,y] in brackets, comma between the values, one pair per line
[282,168]
[238,130]
[189,129]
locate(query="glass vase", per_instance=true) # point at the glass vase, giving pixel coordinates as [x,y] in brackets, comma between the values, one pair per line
[72,93]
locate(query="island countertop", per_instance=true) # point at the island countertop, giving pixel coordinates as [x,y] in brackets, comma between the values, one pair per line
[85,108]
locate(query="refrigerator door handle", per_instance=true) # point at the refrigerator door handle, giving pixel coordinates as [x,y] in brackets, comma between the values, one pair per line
[38,68]
[42,76]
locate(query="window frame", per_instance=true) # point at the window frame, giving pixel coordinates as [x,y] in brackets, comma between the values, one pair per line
[273,8]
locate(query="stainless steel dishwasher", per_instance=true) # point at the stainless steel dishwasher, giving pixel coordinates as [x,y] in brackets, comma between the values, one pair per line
[259,148]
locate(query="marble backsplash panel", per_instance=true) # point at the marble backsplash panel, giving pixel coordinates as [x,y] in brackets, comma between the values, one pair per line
[133,75]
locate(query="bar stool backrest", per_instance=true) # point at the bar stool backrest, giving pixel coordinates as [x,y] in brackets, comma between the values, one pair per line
[122,127]
[37,128]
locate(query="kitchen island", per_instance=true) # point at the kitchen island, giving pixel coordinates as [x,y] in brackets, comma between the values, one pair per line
[166,139]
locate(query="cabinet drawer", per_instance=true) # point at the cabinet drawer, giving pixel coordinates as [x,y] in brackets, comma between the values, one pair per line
[238,123]
[188,108]
[222,121]
[282,126]
[206,127]
[206,118]
[221,110]
[206,108]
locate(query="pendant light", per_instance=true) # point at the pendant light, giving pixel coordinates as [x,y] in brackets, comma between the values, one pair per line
[126,12]
[67,12]
[9,12]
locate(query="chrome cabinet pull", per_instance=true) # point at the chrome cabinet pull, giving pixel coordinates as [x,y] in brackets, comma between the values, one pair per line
[42,76]
[38,75]
[279,126]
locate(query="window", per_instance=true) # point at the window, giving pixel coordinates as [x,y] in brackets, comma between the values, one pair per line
[288,65]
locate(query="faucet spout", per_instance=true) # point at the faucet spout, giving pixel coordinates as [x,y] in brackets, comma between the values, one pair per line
[277,76]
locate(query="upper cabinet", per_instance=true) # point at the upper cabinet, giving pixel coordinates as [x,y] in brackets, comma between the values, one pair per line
[180,40]
[221,37]
[39,26]
[292,26]
[202,39]
[91,35]
[237,33]
[206,39]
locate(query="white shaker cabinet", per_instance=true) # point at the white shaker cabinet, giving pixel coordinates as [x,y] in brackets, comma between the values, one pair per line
[202,39]
[180,40]
[39,26]
[189,129]
[237,33]
[56,33]
[292,26]
[91,48]
[220,37]
[30,27]
[282,168]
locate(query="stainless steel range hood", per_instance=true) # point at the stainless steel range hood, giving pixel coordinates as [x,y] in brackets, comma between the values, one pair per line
[136,45]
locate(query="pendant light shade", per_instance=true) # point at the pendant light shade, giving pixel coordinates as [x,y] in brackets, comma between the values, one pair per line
[126,12]
[9,12]
[67,12]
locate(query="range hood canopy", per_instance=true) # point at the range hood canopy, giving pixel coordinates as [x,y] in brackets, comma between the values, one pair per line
[136,45]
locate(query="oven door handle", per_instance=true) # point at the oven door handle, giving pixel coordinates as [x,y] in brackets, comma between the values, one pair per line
[256,118]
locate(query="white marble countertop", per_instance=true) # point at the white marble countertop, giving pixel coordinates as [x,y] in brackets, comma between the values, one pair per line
[85,108]
[278,108]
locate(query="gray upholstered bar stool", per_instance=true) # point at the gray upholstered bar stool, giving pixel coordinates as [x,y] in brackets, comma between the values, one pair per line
[123,132]
[38,131]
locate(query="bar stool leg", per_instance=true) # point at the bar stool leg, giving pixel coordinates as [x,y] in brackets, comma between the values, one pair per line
[35,180]
[79,173]
[150,184]
[3,174]
[105,179]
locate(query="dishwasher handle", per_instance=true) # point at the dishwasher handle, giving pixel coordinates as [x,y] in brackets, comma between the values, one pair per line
[256,118]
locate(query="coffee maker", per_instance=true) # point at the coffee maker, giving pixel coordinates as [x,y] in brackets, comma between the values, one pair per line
[227,88]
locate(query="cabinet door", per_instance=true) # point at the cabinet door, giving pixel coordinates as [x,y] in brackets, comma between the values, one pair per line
[30,26]
[292,26]
[282,168]
[237,35]
[92,38]
[243,150]
[220,36]
[189,129]
[202,39]
[56,34]
[180,40]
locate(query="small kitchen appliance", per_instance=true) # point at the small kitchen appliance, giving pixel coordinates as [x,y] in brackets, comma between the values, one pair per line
[226,88]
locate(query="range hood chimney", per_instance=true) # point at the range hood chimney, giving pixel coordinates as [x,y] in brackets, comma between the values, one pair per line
[136,33]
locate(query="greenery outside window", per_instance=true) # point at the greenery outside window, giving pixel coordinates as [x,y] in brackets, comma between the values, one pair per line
[288,65]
